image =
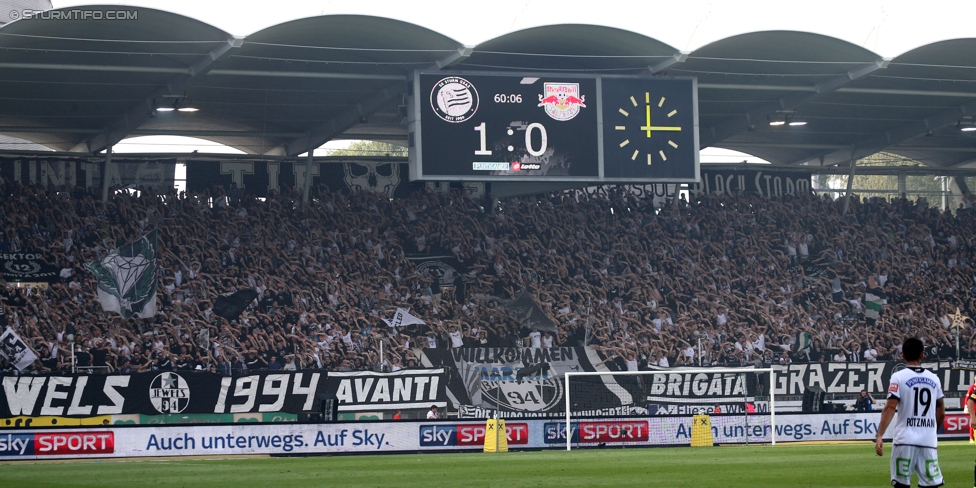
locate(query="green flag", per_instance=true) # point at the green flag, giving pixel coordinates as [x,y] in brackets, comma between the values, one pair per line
[127,278]
[803,341]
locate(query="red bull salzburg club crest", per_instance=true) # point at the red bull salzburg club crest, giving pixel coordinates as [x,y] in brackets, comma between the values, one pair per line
[562,100]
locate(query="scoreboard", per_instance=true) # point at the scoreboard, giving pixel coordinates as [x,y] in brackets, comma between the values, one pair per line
[545,127]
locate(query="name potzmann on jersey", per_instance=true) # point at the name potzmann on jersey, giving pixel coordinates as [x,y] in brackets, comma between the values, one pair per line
[920,422]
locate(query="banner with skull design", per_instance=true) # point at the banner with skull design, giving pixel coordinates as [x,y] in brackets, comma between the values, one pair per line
[260,177]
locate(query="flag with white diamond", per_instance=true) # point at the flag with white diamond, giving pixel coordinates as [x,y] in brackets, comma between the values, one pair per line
[127,278]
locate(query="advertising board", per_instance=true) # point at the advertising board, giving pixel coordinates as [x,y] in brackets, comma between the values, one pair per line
[429,436]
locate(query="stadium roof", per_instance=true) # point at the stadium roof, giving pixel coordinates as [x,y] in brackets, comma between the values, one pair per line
[81,84]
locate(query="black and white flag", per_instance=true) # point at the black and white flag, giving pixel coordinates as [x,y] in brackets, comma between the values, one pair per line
[403,319]
[231,305]
[15,350]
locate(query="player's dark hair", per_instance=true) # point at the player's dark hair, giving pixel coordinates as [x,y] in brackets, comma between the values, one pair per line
[912,349]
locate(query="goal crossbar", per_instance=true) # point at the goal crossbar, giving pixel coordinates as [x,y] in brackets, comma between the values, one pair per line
[772,389]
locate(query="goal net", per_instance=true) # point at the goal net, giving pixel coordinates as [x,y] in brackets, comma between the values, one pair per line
[677,407]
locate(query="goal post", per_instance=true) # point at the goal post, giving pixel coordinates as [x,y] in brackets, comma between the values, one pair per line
[680,371]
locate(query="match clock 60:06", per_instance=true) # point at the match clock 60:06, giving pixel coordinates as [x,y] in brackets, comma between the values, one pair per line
[552,127]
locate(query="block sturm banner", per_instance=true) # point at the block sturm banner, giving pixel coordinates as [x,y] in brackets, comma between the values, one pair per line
[407,436]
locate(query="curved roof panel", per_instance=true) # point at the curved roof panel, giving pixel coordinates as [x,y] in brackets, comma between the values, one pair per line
[81,85]
[93,70]
[305,74]
[570,47]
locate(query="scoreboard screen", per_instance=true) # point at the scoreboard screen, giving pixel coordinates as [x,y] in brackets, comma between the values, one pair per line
[544,127]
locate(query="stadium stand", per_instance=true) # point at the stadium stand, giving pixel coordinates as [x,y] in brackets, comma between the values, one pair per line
[757,280]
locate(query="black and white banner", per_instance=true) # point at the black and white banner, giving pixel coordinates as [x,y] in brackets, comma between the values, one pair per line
[444,269]
[160,393]
[15,350]
[768,184]
[404,389]
[676,386]
[260,177]
[851,378]
[27,267]
[71,172]
[529,381]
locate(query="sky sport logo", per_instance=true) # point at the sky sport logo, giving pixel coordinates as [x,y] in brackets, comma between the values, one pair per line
[169,393]
[57,444]
[469,435]
[454,99]
[74,14]
[598,432]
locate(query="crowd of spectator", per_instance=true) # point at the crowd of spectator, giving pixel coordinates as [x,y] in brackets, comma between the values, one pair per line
[714,280]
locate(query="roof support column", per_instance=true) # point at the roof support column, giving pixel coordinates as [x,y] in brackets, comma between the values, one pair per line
[308,177]
[106,173]
[959,191]
[850,183]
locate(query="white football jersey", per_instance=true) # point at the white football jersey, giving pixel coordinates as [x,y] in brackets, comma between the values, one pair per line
[535,339]
[917,391]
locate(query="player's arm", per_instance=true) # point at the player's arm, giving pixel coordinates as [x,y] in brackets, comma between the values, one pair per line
[887,414]
[939,411]
[971,408]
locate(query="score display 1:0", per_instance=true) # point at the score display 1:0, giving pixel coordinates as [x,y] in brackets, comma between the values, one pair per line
[484,151]
[503,127]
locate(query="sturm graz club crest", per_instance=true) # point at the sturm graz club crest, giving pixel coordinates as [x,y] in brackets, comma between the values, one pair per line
[540,395]
[443,272]
[454,99]
[562,101]
[169,393]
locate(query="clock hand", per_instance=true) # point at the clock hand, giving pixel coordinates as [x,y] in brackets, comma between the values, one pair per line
[647,117]
[648,126]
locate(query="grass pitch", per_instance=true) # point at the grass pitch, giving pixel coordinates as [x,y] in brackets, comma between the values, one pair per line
[846,465]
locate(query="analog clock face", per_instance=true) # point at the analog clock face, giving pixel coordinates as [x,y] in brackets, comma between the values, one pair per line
[649,129]
[638,114]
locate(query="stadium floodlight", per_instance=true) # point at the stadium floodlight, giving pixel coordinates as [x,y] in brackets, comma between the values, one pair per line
[608,378]
[967,124]
[179,103]
[795,120]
